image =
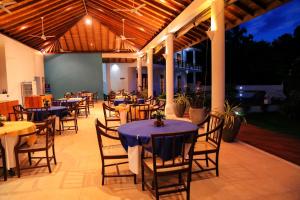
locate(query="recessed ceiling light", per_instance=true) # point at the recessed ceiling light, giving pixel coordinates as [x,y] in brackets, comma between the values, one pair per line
[91,44]
[67,9]
[100,9]
[88,21]
[163,1]
[23,27]
[142,29]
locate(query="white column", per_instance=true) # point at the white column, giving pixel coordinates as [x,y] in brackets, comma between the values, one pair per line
[150,71]
[108,83]
[169,75]
[139,69]
[218,56]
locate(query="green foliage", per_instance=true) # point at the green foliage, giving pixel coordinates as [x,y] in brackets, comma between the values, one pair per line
[291,106]
[181,99]
[231,114]
[159,115]
[144,94]
[162,96]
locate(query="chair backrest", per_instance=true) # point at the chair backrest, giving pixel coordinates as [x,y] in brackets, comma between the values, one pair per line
[139,112]
[161,105]
[171,150]
[73,109]
[42,112]
[23,115]
[50,134]
[213,128]
[107,111]
[104,132]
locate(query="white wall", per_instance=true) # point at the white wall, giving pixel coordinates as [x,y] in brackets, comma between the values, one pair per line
[22,65]
[122,70]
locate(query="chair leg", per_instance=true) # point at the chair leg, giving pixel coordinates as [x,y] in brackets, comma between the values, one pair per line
[76,126]
[206,159]
[134,178]
[143,177]
[3,163]
[48,161]
[29,158]
[217,164]
[53,152]
[17,164]
[103,173]
[156,187]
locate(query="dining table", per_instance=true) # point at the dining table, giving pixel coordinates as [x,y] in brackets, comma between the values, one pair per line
[9,134]
[135,134]
[39,113]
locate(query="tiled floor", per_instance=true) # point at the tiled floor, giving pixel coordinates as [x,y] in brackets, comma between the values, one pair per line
[245,173]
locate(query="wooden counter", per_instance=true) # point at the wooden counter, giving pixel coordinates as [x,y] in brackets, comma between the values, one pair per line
[7,106]
[37,101]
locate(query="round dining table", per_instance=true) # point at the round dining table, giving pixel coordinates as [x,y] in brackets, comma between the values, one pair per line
[9,134]
[39,113]
[137,133]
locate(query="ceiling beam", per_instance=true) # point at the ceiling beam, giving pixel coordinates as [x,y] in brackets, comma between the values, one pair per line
[192,11]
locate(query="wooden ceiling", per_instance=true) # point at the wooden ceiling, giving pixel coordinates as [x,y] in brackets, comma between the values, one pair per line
[65,19]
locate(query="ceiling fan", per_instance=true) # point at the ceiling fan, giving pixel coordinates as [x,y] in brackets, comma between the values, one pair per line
[134,9]
[123,38]
[5,3]
[43,36]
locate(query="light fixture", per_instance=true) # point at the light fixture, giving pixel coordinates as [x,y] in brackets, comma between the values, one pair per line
[115,68]
[67,9]
[23,27]
[88,20]
[142,29]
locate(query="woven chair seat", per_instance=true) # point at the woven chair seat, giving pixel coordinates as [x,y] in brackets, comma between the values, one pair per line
[159,162]
[114,150]
[204,146]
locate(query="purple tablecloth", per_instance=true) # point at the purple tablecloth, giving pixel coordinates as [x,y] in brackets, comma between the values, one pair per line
[139,132]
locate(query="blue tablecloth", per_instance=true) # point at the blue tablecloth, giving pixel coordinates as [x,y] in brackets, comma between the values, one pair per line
[140,101]
[40,115]
[139,132]
[121,100]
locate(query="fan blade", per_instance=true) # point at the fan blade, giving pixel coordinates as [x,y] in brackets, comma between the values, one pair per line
[35,36]
[125,10]
[130,38]
[9,3]
[5,9]
[140,6]
[138,13]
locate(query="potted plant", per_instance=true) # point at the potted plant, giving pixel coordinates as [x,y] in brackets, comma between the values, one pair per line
[159,116]
[233,118]
[197,111]
[181,102]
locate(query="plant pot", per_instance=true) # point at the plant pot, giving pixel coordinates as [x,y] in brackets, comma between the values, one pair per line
[229,134]
[179,109]
[197,115]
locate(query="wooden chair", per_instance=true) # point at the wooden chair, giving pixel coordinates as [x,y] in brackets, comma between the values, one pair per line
[84,105]
[91,100]
[181,147]
[71,117]
[44,143]
[3,158]
[138,112]
[111,116]
[115,152]
[210,143]
[95,97]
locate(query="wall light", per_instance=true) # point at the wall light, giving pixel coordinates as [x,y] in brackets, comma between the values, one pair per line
[115,68]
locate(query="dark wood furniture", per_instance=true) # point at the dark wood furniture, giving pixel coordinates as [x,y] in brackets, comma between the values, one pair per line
[44,143]
[84,106]
[209,143]
[138,112]
[71,117]
[111,116]
[179,164]
[3,158]
[114,152]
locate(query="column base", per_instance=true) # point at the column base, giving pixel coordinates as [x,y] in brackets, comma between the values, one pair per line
[169,109]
